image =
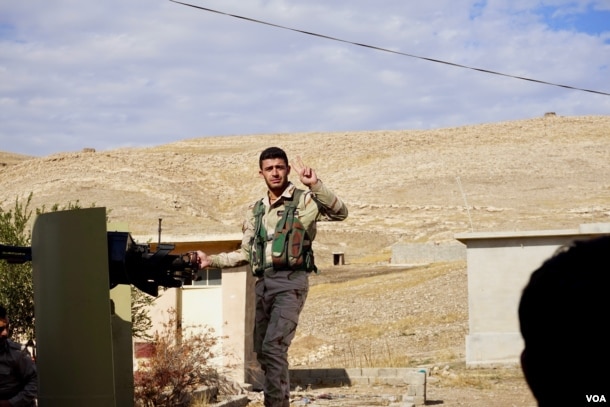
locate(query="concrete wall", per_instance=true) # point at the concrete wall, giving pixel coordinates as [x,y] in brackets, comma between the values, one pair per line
[414,379]
[499,267]
[238,304]
[417,253]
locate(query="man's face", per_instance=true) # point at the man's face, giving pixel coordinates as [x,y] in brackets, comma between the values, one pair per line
[275,171]
[3,330]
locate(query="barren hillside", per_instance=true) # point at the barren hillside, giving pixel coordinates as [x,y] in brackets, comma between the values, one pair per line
[7,159]
[548,172]
[410,186]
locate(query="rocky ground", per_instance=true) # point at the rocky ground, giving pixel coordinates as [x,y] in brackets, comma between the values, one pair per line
[374,315]
[400,186]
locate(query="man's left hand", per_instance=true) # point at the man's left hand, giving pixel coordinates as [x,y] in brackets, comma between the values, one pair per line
[307,175]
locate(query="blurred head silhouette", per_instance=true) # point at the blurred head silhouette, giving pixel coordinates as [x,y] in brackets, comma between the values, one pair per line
[564,316]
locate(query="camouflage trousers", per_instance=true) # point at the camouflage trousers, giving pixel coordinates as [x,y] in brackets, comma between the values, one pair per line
[280,296]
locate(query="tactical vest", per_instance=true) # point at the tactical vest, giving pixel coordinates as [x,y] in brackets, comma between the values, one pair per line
[290,246]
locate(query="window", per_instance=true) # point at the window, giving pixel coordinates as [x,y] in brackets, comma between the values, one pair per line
[208,277]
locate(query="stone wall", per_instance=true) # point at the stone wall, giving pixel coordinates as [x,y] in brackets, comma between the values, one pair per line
[418,253]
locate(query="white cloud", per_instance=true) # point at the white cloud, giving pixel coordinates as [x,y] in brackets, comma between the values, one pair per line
[144,72]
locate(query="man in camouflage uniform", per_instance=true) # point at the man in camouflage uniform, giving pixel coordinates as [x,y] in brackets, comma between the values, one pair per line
[18,377]
[280,292]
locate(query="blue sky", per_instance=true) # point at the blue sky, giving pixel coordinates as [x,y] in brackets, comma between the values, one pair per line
[118,74]
[589,18]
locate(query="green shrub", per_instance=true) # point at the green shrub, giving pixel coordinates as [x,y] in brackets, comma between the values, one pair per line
[16,287]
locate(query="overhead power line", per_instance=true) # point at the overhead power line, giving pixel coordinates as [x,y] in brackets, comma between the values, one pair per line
[439,61]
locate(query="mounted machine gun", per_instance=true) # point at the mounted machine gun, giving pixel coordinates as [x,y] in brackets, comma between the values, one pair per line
[131,263]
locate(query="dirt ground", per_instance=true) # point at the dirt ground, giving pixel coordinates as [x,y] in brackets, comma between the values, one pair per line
[400,186]
[502,389]
[399,316]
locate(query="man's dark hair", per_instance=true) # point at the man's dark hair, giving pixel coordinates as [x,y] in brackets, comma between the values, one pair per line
[271,153]
[2,312]
[563,316]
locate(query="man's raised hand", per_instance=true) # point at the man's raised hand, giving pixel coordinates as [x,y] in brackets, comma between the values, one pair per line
[307,175]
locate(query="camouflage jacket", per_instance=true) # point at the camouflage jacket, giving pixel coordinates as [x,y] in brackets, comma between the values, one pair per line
[317,203]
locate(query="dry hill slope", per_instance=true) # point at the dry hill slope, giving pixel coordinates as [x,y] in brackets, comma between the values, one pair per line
[551,173]
[548,172]
[8,159]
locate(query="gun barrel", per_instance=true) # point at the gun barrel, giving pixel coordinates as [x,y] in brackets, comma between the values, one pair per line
[131,263]
[15,254]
